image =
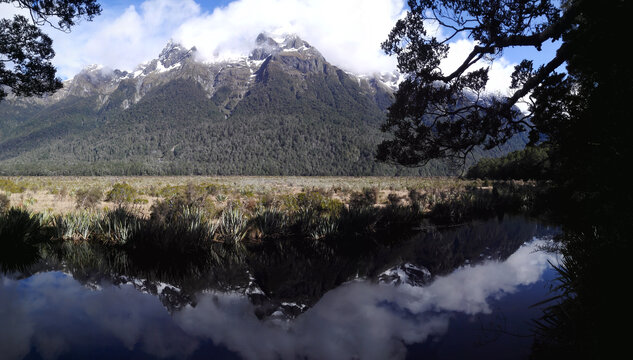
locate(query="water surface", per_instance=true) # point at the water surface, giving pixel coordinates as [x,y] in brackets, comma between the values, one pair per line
[463,292]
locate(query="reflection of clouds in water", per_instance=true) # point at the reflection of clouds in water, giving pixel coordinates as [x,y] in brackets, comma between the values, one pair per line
[53,313]
[360,319]
[16,328]
[67,315]
[467,288]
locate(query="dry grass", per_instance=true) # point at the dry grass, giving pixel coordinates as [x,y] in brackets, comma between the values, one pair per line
[57,194]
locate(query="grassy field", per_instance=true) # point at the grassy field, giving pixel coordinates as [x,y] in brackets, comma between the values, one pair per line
[60,195]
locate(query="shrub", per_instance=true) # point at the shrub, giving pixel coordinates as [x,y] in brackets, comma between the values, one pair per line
[10,186]
[270,221]
[19,234]
[88,198]
[323,227]
[122,193]
[365,198]
[394,199]
[316,201]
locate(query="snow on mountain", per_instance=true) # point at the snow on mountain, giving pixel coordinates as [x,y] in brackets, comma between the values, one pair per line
[176,61]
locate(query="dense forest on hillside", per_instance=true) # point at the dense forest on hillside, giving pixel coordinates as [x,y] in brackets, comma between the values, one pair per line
[531,163]
[322,124]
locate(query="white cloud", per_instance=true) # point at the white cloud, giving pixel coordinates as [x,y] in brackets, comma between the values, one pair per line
[348,33]
[121,38]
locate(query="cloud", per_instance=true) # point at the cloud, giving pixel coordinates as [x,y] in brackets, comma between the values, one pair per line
[51,313]
[348,33]
[121,38]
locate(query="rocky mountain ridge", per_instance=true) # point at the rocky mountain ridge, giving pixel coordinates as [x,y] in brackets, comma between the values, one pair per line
[297,57]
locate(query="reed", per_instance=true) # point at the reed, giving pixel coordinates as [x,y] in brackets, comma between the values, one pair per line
[232,225]
[77,225]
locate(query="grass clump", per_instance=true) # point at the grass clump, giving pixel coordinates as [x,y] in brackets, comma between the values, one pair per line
[75,226]
[270,222]
[88,198]
[20,234]
[118,226]
[232,225]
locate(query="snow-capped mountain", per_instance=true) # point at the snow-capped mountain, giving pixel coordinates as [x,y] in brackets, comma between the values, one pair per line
[296,56]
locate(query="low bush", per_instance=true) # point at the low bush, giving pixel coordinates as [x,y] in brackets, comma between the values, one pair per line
[88,198]
[10,186]
[364,198]
[122,193]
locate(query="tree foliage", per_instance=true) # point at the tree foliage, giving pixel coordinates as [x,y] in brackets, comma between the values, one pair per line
[446,115]
[26,51]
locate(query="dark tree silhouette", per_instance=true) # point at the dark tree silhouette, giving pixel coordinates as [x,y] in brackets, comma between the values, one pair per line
[26,51]
[438,115]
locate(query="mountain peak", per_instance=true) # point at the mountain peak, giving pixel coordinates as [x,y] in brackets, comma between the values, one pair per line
[293,41]
[272,44]
[265,39]
[174,53]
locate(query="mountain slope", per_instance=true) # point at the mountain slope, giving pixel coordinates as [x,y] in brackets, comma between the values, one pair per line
[284,110]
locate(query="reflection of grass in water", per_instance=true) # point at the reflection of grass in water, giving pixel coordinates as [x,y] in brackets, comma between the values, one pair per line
[584,316]
[20,235]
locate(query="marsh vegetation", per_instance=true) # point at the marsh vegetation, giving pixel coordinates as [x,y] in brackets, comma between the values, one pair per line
[166,224]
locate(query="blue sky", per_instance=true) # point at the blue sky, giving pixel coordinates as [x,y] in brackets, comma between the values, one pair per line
[347,32]
[207,5]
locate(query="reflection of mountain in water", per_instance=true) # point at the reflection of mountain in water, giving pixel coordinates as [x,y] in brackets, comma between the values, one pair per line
[285,278]
[53,315]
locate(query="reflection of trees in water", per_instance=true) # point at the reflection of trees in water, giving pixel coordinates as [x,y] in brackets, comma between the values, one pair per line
[584,317]
[288,270]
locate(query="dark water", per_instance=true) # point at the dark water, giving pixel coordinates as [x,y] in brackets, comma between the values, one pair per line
[458,293]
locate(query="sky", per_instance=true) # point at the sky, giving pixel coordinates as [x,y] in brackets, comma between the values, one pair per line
[347,32]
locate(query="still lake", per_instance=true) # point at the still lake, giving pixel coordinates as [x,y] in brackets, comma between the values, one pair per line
[460,292]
